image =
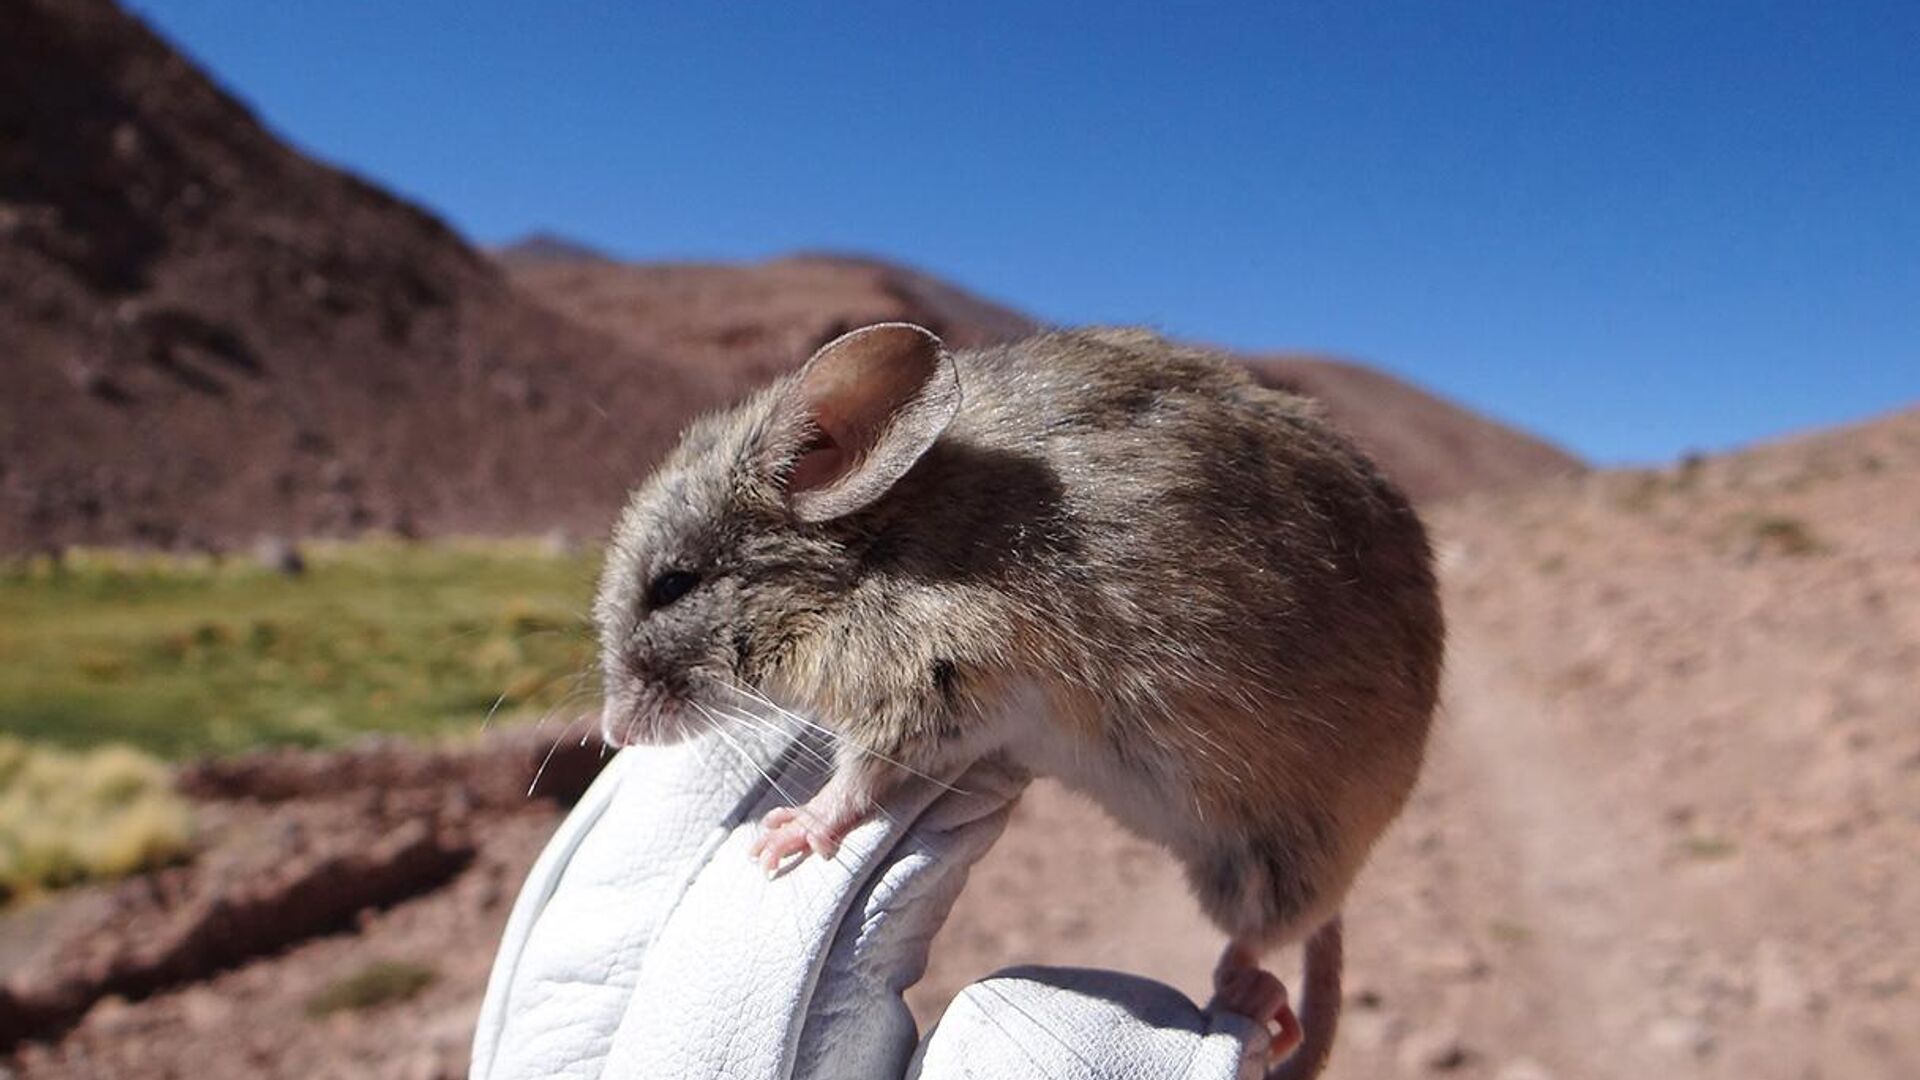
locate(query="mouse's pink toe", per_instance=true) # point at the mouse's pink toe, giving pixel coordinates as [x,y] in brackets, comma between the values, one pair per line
[1251,991]
[786,832]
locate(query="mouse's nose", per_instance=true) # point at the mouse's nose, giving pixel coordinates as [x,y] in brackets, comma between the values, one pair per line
[644,711]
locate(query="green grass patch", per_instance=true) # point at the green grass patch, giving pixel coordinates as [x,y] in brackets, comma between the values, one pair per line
[182,657]
[1784,534]
[1708,848]
[72,816]
[1509,932]
[382,982]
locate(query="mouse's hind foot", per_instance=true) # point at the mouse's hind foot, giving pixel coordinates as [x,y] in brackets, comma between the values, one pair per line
[1242,986]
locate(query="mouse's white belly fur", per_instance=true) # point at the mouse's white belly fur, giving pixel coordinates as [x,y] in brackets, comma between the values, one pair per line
[1149,794]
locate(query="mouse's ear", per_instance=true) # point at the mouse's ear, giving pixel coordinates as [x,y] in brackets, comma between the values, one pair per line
[876,399]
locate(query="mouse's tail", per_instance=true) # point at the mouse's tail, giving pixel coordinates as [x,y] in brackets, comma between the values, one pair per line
[1319,1005]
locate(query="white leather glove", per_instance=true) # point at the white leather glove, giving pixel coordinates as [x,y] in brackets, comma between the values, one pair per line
[646,944]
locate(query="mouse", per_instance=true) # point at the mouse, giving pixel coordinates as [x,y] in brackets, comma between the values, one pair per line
[1112,557]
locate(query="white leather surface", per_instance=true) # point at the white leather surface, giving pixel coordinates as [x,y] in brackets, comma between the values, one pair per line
[645,944]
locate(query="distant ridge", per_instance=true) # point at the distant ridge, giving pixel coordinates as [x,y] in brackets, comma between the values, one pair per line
[743,323]
[546,247]
[1437,449]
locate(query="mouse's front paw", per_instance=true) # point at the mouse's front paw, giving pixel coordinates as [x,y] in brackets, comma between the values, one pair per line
[789,831]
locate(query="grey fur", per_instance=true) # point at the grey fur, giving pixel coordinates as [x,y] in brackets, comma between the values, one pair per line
[1223,602]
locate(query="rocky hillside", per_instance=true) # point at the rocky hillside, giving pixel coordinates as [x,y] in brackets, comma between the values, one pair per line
[1436,449]
[207,335]
[746,323]
[743,324]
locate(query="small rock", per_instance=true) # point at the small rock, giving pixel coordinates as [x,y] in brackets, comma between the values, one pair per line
[1778,986]
[111,1015]
[1453,961]
[1523,1069]
[1679,1035]
[205,1010]
[280,555]
[1434,1050]
[1364,995]
[1887,980]
[1370,1030]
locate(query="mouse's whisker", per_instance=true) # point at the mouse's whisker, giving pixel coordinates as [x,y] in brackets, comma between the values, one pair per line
[756,698]
[567,699]
[840,739]
[719,729]
[626,732]
[824,762]
[721,755]
[716,724]
[800,743]
[717,756]
[488,721]
[573,689]
[795,740]
[542,770]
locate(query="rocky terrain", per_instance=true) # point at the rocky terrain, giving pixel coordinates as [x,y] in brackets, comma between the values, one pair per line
[1669,827]
[208,336]
[317,869]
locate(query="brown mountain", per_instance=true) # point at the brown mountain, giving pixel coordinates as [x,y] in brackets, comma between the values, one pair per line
[1435,448]
[206,334]
[746,322]
[546,247]
[742,323]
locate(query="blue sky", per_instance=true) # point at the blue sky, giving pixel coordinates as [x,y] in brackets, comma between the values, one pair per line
[1637,228]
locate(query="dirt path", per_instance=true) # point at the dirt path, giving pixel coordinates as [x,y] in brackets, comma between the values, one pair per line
[1543,879]
[1671,823]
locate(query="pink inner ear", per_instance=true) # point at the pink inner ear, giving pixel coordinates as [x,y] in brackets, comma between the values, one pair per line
[821,464]
[861,396]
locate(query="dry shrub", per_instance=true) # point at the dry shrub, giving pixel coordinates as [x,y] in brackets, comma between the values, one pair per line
[74,816]
[379,983]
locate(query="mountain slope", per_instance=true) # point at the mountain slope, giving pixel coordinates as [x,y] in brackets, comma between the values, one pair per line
[748,322]
[745,323]
[206,334]
[1437,449]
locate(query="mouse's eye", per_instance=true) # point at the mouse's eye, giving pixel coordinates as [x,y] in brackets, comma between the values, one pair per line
[671,586]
